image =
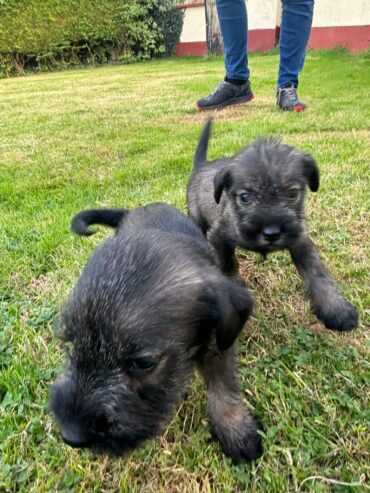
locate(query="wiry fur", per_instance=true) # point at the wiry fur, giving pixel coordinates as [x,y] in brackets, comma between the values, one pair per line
[150,295]
[255,200]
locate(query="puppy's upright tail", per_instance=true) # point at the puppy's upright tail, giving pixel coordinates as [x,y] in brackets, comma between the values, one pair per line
[108,217]
[200,155]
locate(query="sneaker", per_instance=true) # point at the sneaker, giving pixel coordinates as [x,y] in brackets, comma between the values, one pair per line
[287,99]
[226,94]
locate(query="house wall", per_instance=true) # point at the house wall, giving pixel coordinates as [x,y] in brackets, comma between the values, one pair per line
[339,23]
[261,24]
[193,40]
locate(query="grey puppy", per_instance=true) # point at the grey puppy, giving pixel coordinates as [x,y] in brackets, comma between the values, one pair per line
[149,306]
[255,200]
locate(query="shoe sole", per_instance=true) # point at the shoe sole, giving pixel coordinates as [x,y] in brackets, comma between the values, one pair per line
[225,105]
[296,109]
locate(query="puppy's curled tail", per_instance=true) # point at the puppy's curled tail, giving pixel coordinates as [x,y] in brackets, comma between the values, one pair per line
[200,155]
[108,217]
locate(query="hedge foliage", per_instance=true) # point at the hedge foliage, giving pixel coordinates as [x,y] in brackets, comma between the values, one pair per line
[49,34]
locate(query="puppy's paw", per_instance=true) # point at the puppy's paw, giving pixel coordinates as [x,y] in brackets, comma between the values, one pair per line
[339,314]
[242,444]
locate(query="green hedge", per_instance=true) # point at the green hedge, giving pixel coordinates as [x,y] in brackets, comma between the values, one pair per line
[49,34]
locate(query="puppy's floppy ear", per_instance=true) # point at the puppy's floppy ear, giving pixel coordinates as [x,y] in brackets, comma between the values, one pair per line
[231,306]
[221,180]
[311,172]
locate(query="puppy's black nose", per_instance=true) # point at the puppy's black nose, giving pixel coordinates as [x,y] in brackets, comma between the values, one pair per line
[74,438]
[271,233]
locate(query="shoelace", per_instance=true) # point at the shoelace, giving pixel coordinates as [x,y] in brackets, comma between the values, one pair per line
[217,88]
[291,93]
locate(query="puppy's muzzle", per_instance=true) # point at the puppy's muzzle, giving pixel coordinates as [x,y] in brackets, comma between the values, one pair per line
[271,233]
[74,438]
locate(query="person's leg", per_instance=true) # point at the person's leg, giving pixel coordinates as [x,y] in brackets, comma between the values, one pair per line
[232,15]
[235,88]
[295,30]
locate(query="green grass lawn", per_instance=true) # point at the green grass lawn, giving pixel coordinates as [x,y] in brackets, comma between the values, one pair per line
[125,136]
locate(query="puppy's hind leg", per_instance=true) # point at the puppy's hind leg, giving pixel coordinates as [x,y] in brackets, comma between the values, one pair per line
[328,304]
[231,422]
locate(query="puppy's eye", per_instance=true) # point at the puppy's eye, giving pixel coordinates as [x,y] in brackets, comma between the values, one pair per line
[244,198]
[144,364]
[293,193]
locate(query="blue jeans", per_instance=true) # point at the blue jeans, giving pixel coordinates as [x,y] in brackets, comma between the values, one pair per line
[294,33]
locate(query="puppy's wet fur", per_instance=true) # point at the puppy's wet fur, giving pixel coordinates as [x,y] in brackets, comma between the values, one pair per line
[149,305]
[255,200]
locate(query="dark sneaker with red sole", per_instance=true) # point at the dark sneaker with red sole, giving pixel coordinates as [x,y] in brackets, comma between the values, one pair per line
[287,99]
[226,94]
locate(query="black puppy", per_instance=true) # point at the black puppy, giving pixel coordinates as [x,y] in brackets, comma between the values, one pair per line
[255,200]
[149,304]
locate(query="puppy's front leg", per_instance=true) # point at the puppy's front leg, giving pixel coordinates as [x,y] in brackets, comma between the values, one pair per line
[225,252]
[232,424]
[328,304]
